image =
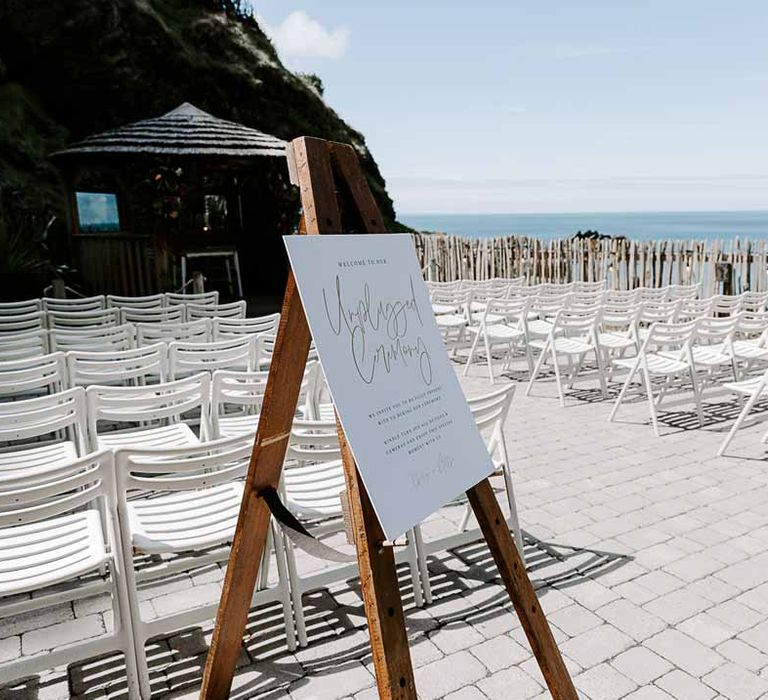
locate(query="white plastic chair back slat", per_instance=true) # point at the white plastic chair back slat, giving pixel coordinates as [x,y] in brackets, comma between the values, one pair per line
[106,338]
[134,366]
[614,296]
[93,303]
[693,308]
[710,331]
[173,299]
[225,327]
[42,416]
[491,410]
[235,309]
[683,291]
[198,331]
[589,287]
[151,301]
[244,392]
[754,302]
[727,304]
[20,323]
[234,353]
[184,468]
[166,403]
[265,348]
[96,318]
[42,374]
[670,335]
[20,308]
[154,314]
[654,294]
[17,346]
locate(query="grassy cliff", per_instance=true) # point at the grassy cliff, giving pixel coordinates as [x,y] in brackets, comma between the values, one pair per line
[73,67]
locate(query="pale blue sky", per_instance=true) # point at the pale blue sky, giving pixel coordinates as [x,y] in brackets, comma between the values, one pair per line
[535,106]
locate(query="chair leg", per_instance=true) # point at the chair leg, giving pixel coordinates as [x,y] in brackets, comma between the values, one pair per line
[651,402]
[296,594]
[741,418]
[622,393]
[557,375]
[413,567]
[137,675]
[285,589]
[488,356]
[464,522]
[509,488]
[536,369]
[421,555]
[697,397]
[472,351]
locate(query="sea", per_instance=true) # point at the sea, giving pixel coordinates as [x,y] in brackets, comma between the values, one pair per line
[698,225]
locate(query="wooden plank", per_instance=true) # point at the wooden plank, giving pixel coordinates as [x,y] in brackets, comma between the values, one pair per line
[518,585]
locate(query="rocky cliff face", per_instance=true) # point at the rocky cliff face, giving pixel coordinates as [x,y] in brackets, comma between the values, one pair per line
[69,68]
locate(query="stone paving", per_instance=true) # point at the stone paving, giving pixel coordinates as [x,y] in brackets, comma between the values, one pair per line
[650,558]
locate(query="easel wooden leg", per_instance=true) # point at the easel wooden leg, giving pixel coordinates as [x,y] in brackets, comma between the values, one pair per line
[280,399]
[518,585]
[381,590]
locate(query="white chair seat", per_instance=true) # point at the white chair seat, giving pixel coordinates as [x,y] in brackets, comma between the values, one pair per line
[173,435]
[539,326]
[35,459]
[747,386]
[657,364]
[439,309]
[489,318]
[177,522]
[230,426]
[451,321]
[706,355]
[746,350]
[47,552]
[303,495]
[614,341]
[500,332]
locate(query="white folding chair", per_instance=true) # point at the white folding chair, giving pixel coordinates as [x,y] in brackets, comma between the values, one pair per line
[621,296]
[155,314]
[674,340]
[59,543]
[755,388]
[691,308]
[617,331]
[312,480]
[23,323]
[132,367]
[504,323]
[150,301]
[235,309]
[172,298]
[712,347]
[726,304]
[653,294]
[238,352]
[452,316]
[20,308]
[180,506]
[236,399]
[754,302]
[44,374]
[17,346]
[93,303]
[589,287]
[225,327]
[158,415]
[573,335]
[543,309]
[198,331]
[750,340]
[490,412]
[655,312]
[265,348]
[103,339]
[42,432]
[683,291]
[80,320]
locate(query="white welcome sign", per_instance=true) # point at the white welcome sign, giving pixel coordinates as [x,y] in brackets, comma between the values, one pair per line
[399,401]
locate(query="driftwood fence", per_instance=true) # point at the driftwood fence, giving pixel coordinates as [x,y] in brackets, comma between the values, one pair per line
[728,267]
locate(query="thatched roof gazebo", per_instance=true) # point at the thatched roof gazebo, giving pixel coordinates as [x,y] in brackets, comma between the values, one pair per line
[142,195]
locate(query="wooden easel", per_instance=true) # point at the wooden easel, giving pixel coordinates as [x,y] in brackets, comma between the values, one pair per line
[330,180]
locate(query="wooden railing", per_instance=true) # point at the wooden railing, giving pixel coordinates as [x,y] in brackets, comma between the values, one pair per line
[117,263]
[726,267]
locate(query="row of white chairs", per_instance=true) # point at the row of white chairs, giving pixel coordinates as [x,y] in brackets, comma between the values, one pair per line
[689,342]
[130,335]
[109,301]
[100,318]
[167,498]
